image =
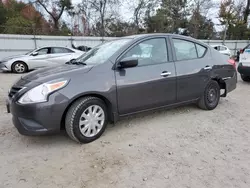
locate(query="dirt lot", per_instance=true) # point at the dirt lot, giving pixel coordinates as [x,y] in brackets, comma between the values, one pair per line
[184,147]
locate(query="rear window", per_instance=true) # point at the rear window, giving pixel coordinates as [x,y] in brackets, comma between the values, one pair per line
[201,50]
[186,50]
[61,50]
[222,48]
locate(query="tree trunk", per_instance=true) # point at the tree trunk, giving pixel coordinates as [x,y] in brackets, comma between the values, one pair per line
[247,11]
[56,25]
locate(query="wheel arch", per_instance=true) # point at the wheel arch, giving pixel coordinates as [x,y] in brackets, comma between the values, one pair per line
[97,95]
[222,85]
[12,64]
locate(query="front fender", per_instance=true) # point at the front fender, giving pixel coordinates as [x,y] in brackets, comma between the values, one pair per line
[8,64]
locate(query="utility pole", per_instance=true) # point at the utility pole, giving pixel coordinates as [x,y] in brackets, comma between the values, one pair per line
[225,33]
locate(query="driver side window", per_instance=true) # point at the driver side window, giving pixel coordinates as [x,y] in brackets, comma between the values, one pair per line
[43,51]
[149,52]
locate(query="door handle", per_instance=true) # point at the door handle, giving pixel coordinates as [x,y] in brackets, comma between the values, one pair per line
[208,68]
[165,74]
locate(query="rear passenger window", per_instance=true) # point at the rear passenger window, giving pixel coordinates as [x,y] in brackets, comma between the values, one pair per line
[201,50]
[222,48]
[61,50]
[184,49]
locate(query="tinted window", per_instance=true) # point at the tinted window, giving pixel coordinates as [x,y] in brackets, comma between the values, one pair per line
[61,50]
[217,48]
[201,50]
[149,52]
[43,51]
[184,49]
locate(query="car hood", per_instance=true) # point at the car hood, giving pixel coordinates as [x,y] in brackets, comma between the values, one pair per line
[52,73]
[13,57]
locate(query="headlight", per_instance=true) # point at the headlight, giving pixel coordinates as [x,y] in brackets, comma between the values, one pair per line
[41,92]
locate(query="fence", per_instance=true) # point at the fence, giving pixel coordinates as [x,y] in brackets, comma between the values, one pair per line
[20,44]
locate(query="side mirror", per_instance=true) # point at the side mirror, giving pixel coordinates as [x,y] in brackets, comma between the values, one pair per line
[128,63]
[34,53]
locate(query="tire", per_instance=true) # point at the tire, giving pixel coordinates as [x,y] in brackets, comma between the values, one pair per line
[81,108]
[211,96]
[19,67]
[245,78]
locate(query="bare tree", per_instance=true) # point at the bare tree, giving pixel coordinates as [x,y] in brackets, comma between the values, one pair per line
[103,8]
[138,12]
[199,9]
[55,9]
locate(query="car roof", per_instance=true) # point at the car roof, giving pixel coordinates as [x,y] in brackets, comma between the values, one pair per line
[155,34]
[55,47]
[141,36]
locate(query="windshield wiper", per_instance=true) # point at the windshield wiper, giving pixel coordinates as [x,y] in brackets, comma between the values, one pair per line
[76,63]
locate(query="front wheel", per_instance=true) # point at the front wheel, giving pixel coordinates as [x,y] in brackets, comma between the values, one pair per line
[19,67]
[211,96]
[86,119]
[245,78]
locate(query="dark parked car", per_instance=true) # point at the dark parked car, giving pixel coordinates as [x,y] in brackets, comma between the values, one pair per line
[118,78]
[81,48]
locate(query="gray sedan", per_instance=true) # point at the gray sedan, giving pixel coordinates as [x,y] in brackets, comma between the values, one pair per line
[118,78]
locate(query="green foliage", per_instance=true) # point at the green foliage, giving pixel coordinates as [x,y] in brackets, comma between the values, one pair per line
[232,16]
[3,17]
[18,25]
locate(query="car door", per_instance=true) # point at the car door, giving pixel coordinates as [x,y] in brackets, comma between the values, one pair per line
[39,59]
[224,50]
[152,83]
[59,55]
[193,68]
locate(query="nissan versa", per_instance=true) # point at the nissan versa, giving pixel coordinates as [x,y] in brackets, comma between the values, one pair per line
[119,78]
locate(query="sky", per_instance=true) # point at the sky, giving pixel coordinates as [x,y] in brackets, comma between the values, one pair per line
[127,14]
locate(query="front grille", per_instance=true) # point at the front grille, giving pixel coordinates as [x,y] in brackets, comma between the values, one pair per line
[14,90]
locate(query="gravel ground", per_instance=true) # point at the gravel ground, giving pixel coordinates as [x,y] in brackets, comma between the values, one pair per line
[184,147]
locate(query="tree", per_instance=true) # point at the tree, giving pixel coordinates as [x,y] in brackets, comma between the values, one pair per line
[170,17]
[199,25]
[247,11]
[119,28]
[231,15]
[138,12]
[3,17]
[103,8]
[58,8]
[18,25]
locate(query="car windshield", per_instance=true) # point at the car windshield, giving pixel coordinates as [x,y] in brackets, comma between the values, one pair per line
[29,52]
[103,52]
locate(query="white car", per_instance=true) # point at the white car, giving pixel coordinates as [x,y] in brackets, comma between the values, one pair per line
[39,58]
[222,49]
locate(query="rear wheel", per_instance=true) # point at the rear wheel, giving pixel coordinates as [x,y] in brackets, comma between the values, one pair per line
[245,78]
[19,67]
[86,119]
[211,96]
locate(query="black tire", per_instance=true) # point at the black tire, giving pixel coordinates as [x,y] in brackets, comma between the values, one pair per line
[74,114]
[22,67]
[245,78]
[211,96]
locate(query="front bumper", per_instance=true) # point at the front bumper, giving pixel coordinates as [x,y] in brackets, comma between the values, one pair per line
[3,67]
[40,118]
[245,70]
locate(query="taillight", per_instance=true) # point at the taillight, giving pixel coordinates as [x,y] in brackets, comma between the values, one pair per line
[241,51]
[232,62]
